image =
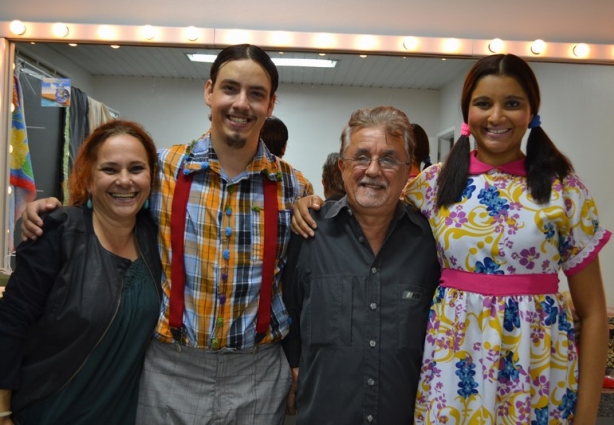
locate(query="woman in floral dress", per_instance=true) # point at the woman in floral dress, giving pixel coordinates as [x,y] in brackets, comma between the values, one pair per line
[500,345]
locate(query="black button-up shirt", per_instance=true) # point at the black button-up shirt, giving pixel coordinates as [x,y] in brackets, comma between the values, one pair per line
[359,319]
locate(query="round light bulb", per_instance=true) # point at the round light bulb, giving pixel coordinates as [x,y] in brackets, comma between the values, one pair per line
[17,27]
[106,32]
[451,45]
[410,43]
[495,45]
[60,30]
[148,32]
[581,50]
[538,47]
[192,33]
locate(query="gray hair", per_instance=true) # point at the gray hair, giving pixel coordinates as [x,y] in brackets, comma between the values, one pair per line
[394,121]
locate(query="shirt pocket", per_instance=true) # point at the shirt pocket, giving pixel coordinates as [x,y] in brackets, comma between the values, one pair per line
[328,312]
[412,310]
[284,224]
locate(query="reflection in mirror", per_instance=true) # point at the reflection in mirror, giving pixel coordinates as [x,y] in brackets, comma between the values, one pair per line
[351,70]
[162,90]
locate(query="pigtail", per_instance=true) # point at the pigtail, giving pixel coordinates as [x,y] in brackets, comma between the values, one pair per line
[455,170]
[427,162]
[543,164]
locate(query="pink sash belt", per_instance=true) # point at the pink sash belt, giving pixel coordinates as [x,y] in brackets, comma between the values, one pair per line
[500,284]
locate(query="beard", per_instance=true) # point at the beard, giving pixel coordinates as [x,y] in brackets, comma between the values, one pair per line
[235,141]
[368,197]
[370,200]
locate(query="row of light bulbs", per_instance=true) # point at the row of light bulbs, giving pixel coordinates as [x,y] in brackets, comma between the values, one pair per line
[284,39]
[105,32]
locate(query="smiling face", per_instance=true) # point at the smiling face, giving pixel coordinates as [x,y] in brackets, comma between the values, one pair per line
[240,100]
[121,179]
[498,117]
[374,190]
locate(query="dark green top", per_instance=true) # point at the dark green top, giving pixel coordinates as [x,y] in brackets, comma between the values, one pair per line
[105,390]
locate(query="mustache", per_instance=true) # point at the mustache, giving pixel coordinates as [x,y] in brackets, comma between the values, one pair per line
[374,182]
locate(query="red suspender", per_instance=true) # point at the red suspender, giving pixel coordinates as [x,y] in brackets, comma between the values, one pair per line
[270,253]
[178,213]
[178,216]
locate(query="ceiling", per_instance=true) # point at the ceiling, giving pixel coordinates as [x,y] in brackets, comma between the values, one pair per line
[426,73]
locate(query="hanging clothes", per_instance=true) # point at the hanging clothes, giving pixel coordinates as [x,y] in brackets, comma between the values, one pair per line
[98,113]
[21,174]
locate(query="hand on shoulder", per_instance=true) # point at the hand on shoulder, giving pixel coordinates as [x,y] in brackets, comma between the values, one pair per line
[31,221]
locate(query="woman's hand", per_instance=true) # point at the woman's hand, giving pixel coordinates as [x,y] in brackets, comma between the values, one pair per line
[302,222]
[291,400]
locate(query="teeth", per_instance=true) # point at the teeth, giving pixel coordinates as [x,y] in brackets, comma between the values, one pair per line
[238,120]
[499,131]
[123,195]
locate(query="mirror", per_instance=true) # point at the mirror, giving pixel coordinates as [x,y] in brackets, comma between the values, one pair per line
[167,98]
[154,84]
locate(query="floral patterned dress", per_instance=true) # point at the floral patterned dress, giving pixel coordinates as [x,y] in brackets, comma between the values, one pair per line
[500,343]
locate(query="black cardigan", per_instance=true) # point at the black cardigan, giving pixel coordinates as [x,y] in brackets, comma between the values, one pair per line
[60,301]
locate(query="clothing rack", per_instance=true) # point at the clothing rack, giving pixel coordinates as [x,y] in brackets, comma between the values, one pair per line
[36,69]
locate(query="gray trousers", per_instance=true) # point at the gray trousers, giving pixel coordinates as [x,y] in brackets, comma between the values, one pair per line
[196,386]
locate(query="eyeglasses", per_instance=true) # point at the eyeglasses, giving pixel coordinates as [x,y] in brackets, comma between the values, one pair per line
[386,162]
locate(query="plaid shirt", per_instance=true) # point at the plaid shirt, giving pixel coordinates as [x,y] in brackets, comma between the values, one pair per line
[218,207]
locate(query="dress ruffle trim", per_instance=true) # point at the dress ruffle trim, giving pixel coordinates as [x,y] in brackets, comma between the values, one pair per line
[584,257]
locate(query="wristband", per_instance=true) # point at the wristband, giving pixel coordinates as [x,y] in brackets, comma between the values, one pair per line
[5,414]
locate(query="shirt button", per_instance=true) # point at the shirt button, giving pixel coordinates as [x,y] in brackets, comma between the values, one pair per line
[370,382]
[372,306]
[372,343]
[373,270]
[370,418]
[361,239]
[215,344]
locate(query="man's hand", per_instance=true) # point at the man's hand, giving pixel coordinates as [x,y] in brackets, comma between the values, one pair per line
[302,222]
[31,222]
[291,400]
[6,421]
[5,406]
[577,324]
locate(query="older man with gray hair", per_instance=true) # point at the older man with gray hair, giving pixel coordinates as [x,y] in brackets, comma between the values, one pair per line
[358,293]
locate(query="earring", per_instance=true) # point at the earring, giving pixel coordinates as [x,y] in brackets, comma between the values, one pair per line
[88,204]
[146,204]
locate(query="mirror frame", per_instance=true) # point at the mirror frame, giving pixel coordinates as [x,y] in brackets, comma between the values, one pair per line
[204,38]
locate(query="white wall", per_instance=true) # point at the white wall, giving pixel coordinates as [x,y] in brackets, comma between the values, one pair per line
[174,111]
[576,112]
